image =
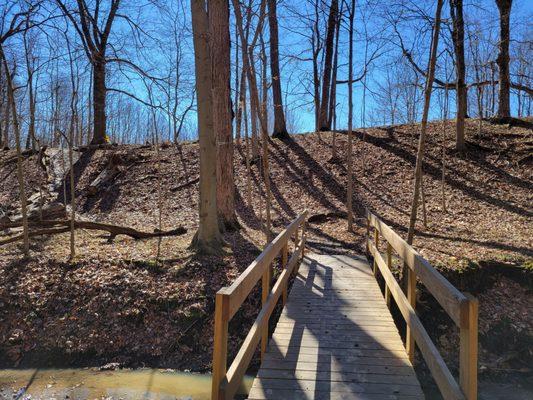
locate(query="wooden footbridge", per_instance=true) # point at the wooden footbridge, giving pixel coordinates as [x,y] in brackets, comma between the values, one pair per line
[335,338]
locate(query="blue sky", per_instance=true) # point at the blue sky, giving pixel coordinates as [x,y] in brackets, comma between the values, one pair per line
[155,50]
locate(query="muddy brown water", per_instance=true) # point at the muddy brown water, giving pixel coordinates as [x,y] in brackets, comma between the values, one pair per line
[89,384]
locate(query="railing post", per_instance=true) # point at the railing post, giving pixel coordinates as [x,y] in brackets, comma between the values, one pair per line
[468,353]
[265,284]
[389,266]
[367,233]
[220,345]
[411,297]
[376,242]
[304,237]
[284,259]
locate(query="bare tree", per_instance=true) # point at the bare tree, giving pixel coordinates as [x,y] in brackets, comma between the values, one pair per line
[504,103]
[16,128]
[423,126]
[247,52]
[218,14]
[349,184]
[94,36]
[326,80]
[280,129]
[208,238]
[456,12]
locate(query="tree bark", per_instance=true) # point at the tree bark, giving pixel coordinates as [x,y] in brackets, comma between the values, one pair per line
[218,15]
[20,171]
[458,34]
[504,105]
[99,101]
[255,105]
[423,126]
[333,94]
[349,190]
[326,80]
[280,129]
[208,238]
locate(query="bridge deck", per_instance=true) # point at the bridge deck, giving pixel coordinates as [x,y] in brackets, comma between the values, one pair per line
[335,339]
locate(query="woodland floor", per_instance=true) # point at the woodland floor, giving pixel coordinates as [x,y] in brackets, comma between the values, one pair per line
[115,303]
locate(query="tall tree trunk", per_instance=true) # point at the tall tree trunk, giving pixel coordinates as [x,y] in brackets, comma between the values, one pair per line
[240,106]
[326,80]
[7,117]
[504,104]
[423,126]
[280,129]
[255,104]
[31,140]
[238,88]
[458,33]
[316,87]
[207,238]
[99,101]
[20,171]
[333,95]
[264,79]
[349,189]
[218,15]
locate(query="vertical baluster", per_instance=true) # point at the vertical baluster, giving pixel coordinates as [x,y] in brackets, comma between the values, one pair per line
[411,297]
[468,353]
[220,345]
[265,283]
[284,258]
[389,266]
[376,243]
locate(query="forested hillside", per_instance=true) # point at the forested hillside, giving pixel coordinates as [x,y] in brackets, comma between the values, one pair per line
[150,301]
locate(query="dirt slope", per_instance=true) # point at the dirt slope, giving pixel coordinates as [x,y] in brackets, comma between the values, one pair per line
[115,303]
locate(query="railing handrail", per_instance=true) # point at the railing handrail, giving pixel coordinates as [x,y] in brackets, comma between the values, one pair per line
[461,307]
[225,381]
[451,299]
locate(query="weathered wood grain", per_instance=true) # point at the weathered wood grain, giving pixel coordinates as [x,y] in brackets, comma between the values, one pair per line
[335,339]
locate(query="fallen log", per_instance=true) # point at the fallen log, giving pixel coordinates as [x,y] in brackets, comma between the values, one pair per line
[114,230]
[184,185]
[38,232]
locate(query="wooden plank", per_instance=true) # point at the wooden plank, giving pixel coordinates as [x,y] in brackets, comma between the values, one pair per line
[332,318]
[338,386]
[344,355]
[446,294]
[285,394]
[320,329]
[444,379]
[333,363]
[324,306]
[283,351]
[362,366]
[338,376]
[390,343]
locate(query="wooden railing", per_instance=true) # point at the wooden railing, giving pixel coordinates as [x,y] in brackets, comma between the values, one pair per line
[226,381]
[461,307]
